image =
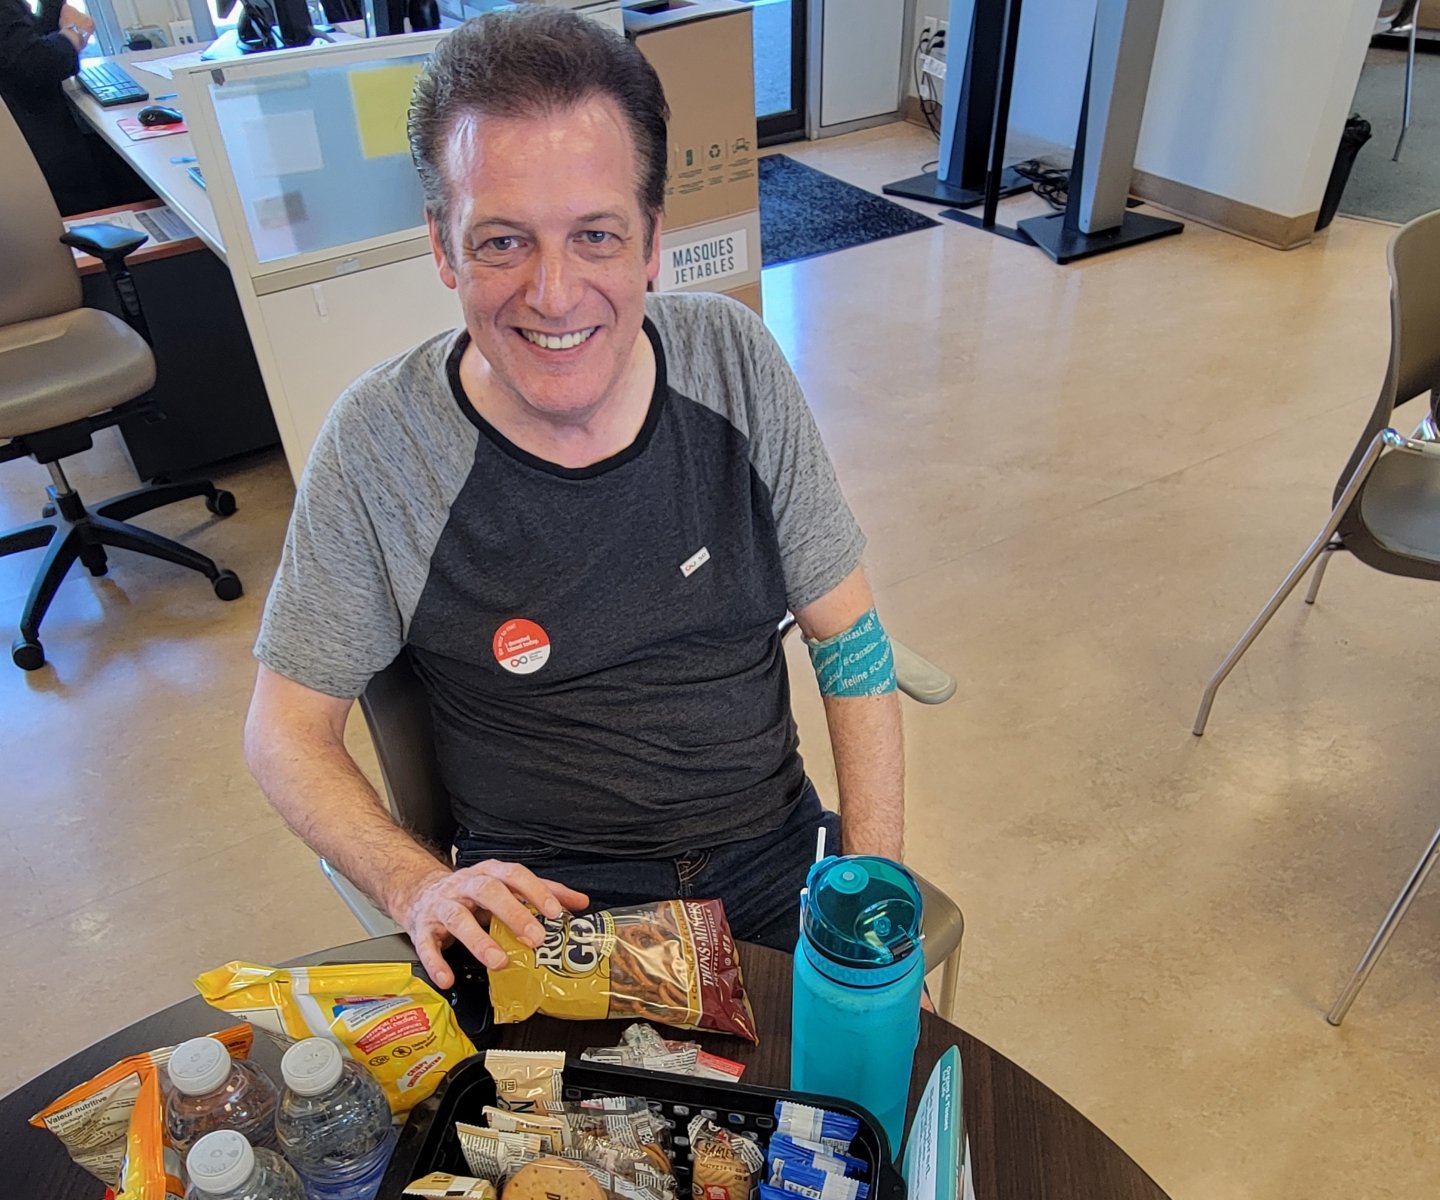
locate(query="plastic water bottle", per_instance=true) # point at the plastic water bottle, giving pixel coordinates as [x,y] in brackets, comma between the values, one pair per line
[859,972]
[334,1122]
[224,1166]
[210,1091]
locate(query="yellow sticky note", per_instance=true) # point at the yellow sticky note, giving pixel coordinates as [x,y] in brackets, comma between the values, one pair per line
[381,96]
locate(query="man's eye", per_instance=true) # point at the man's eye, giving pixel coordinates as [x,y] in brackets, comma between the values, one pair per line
[501,245]
[595,237]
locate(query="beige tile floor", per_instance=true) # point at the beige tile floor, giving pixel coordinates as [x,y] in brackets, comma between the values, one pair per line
[1079,485]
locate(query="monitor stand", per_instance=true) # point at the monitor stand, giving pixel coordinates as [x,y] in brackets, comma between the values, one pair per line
[930,188]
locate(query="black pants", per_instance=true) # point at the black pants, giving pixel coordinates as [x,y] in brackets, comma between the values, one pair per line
[758,879]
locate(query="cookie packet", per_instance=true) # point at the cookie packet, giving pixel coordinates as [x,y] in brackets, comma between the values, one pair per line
[674,961]
[495,1154]
[813,1154]
[796,1178]
[526,1079]
[395,1025]
[439,1185]
[725,1165]
[114,1124]
[834,1131]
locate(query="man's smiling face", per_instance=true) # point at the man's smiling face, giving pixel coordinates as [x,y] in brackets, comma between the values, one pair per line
[548,251]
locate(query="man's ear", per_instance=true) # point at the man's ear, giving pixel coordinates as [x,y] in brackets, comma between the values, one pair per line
[652,268]
[442,260]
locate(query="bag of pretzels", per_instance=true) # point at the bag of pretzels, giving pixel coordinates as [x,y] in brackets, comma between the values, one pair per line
[673,962]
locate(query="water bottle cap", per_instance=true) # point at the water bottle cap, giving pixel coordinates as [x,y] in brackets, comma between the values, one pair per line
[862,911]
[199,1066]
[312,1066]
[220,1162]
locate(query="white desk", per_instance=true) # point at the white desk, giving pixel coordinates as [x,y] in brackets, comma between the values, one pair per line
[151,159]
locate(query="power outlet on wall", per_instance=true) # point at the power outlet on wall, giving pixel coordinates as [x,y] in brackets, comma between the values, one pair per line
[182,33]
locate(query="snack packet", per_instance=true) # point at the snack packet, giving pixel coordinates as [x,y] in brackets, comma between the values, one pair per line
[834,1131]
[640,1046]
[673,961]
[496,1155]
[395,1025]
[554,1179]
[526,1079]
[553,1132]
[441,1186]
[815,1183]
[813,1154]
[114,1125]
[725,1166]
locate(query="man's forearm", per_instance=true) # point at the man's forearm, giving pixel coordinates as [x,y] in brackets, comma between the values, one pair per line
[869,751]
[324,797]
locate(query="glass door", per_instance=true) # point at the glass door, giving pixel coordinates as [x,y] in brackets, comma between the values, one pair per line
[779,30]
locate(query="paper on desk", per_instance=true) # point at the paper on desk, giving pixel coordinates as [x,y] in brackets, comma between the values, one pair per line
[165,67]
[160,225]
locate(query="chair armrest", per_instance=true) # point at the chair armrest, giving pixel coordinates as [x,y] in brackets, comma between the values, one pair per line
[919,678]
[375,922]
[108,243]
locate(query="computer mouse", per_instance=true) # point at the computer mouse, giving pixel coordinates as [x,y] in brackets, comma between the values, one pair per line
[160,114]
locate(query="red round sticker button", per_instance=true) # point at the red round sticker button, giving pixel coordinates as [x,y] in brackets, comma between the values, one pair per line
[521,646]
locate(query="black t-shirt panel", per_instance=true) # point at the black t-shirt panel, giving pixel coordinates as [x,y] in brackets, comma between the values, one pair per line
[660,720]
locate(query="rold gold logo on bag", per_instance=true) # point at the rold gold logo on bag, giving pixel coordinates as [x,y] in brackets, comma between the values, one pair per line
[575,945]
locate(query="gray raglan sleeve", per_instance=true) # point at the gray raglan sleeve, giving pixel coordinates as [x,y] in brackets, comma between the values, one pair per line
[331,621]
[820,540]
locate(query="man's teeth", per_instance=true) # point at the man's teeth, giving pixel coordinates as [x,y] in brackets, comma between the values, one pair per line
[565,341]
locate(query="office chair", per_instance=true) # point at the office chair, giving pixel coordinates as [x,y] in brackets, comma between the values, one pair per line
[1387,501]
[397,711]
[66,371]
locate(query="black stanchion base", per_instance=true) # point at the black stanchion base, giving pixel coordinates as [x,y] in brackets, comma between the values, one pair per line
[929,188]
[1005,231]
[1067,245]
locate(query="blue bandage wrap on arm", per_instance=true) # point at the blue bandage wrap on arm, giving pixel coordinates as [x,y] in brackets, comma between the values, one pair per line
[858,662]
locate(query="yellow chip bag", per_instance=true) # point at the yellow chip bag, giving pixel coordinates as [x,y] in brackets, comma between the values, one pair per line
[114,1125]
[396,1026]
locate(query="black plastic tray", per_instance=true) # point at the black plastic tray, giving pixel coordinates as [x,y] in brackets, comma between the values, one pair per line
[429,1143]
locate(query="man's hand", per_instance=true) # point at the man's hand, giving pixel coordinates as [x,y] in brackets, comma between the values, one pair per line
[450,906]
[73,18]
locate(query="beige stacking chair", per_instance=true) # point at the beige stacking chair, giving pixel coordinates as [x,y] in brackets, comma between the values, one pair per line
[1387,502]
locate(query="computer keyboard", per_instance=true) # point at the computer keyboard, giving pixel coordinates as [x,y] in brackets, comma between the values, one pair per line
[111,85]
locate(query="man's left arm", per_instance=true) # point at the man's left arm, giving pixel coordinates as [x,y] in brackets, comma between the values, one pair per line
[865,734]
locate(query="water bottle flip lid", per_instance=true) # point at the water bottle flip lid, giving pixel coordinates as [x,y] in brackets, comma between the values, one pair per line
[312,1066]
[862,911]
[220,1162]
[199,1066]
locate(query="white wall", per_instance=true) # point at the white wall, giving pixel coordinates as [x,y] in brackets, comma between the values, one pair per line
[1248,98]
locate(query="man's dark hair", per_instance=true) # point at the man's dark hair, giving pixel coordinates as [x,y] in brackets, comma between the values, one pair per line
[527,61]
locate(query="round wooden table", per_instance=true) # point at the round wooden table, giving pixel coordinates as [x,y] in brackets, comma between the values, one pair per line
[1025,1142]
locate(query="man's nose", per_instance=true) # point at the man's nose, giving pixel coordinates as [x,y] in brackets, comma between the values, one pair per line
[555,285]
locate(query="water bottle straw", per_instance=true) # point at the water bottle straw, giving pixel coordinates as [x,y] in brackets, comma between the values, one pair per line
[820,843]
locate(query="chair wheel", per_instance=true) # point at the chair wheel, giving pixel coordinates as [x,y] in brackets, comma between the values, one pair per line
[28,655]
[48,510]
[222,504]
[227,586]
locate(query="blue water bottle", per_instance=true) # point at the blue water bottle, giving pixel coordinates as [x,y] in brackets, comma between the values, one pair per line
[859,972]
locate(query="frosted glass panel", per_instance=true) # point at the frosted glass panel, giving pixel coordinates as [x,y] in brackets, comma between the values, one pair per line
[320,156]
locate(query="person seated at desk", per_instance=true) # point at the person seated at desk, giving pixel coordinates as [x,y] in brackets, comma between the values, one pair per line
[583,516]
[38,52]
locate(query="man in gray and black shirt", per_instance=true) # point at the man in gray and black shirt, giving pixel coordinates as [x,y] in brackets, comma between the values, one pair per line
[583,516]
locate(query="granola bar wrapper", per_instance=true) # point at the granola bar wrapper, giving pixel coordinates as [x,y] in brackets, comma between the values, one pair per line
[673,961]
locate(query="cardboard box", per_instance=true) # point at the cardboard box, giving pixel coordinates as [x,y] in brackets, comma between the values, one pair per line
[703,52]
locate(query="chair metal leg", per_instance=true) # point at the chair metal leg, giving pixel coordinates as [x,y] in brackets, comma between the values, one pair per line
[1320,571]
[1409,84]
[949,985]
[1383,934]
[143,541]
[1317,547]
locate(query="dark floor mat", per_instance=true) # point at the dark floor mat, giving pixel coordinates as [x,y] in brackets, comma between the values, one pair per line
[804,212]
[1379,188]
